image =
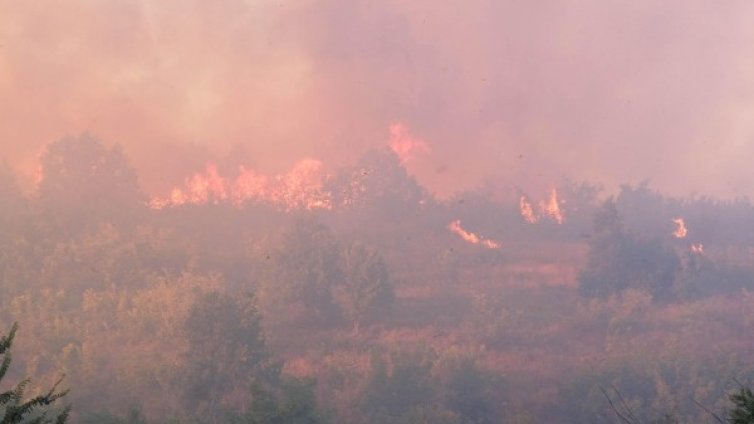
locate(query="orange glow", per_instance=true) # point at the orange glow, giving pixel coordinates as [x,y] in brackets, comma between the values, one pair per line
[472,238]
[404,145]
[697,248]
[39,175]
[299,189]
[680,228]
[551,207]
[527,211]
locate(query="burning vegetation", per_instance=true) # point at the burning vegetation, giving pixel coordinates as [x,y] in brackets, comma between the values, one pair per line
[306,187]
[472,238]
[392,212]
[302,188]
[548,209]
[680,228]
[344,295]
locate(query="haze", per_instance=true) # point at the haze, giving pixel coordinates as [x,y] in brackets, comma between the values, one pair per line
[520,93]
[392,212]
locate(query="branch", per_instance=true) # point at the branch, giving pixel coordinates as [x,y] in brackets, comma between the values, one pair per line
[715,416]
[630,413]
[612,406]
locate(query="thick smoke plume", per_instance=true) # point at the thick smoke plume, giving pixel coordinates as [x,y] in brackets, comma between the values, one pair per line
[522,92]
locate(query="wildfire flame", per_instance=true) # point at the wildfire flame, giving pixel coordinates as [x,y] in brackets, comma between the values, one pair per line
[697,248]
[680,228]
[549,208]
[472,238]
[404,145]
[39,175]
[300,188]
[527,211]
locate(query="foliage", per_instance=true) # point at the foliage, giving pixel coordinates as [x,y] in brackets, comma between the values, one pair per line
[228,358]
[703,277]
[14,408]
[14,203]
[312,269]
[292,402]
[366,286]
[307,267]
[418,385]
[396,388]
[226,352]
[470,392]
[149,307]
[81,171]
[743,406]
[619,260]
[379,186]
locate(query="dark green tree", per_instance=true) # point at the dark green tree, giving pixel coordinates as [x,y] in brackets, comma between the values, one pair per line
[288,401]
[399,385]
[308,267]
[83,183]
[366,286]
[619,260]
[379,185]
[743,406]
[14,202]
[227,353]
[469,391]
[14,408]
[231,375]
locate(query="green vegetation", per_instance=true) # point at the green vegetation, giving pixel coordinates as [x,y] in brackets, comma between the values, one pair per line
[619,260]
[743,406]
[374,312]
[15,406]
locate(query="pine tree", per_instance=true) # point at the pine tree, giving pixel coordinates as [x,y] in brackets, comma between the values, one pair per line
[743,410]
[13,408]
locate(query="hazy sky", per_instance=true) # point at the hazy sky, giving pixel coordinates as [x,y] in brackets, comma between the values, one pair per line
[517,92]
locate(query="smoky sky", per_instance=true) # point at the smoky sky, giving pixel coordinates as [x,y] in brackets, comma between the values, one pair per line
[510,92]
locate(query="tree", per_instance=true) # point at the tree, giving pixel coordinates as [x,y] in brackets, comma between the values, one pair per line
[13,408]
[743,406]
[307,268]
[380,185]
[84,182]
[469,391]
[288,401]
[619,260]
[366,286]
[227,353]
[398,385]
[231,375]
[379,190]
[14,203]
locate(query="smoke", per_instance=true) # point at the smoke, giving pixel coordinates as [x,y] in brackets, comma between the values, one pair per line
[515,92]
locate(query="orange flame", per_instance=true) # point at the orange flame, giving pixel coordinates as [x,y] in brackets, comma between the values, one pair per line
[551,208]
[680,228]
[697,248]
[527,211]
[404,145]
[300,188]
[472,238]
[39,175]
